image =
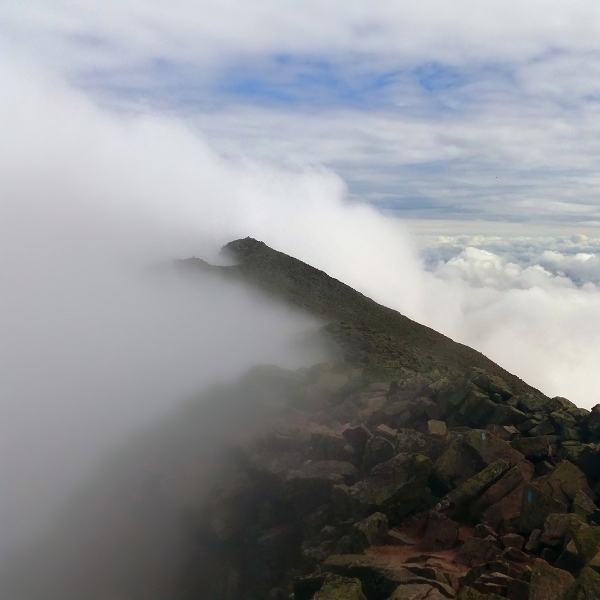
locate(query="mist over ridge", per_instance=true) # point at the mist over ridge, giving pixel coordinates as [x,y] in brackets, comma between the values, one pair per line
[92,351]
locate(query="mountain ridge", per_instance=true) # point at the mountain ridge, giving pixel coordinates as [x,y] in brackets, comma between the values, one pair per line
[373,330]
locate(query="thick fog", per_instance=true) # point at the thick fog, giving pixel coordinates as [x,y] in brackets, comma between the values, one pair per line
[97,343]
[94,347]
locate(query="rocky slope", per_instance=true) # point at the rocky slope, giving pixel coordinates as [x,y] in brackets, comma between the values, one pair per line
[408,468]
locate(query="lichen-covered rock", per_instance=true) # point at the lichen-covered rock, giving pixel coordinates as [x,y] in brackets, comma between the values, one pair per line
[377,451]
[534,448]
[396,487]
[545,427]
[492,384]
[511,480]
[561,419]
[476,409]
[417,591]
[548,583]
[507,415]
[409,441]
[587,542]
[571,450]
[490,448]
[583,505]
[340,588]
[536,505]
[586,587]
[564,481]
[557,526]
[469,593]
[369,531]
[455,466]
[456,502]
[502,515]
[593,421]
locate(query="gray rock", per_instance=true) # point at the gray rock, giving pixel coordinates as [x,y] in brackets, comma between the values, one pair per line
[369,531]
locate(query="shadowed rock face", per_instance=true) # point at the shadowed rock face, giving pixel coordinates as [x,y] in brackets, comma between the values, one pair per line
[408,466]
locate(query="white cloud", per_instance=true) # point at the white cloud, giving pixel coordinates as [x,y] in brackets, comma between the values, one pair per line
[135,30]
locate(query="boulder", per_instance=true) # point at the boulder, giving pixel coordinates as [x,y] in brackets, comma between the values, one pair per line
[589,460]
[534,448]
[307,586]
[545,427]
[533,542]
[583,505]
[513,540]
[330,445]
[476,551]
[561,420]
[476,409]
[569,559]
[369,531]
[507,415]
[548,583]
[395,487]
[377,451]
[492,583]
[571,450]
[357,437]
[310,486]
[514,555]
[441,533]
[534,404]
[417,591]
[456,502]
[564,481]
[490,448]
[468,455]
[510,481]
[593,421]
[557,526]
[493,384]
[501,515]
[437,428]
[455,466]
[586,587]
[386,432]
[409,441]
[536,505]
[469,593]
[340,588]
[398,413]
[587,542]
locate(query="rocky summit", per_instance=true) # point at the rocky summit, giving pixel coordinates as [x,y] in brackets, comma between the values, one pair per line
[406,467]
[409,467]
